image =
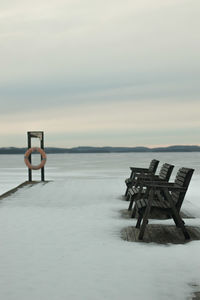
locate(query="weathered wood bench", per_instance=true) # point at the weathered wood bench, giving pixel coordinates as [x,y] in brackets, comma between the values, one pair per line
[137,171]
[139,189]
[167,197]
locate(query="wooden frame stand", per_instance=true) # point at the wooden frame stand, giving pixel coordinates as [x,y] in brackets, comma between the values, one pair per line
[40,135]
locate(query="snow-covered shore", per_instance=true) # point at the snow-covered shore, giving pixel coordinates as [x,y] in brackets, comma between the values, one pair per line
[62,240]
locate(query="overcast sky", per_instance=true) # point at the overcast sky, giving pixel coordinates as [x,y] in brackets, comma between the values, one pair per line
[109,72]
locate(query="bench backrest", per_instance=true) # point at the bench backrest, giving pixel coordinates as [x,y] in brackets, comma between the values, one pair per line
[153,166]
[183,178]
[165,172]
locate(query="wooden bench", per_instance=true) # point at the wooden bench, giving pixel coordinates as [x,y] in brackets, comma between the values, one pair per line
[167,198]
[139,189]
[137,171]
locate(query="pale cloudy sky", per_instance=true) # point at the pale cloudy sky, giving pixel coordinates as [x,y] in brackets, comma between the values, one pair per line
[88,72]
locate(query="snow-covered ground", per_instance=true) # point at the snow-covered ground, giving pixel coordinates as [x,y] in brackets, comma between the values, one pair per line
[62,240]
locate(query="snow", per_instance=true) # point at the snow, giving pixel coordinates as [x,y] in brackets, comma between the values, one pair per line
[61,240]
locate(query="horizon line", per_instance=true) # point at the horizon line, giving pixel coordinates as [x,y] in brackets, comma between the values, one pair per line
[108,146]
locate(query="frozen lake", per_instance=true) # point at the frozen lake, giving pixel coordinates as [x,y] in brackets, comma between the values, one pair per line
[61,166]
[62,240]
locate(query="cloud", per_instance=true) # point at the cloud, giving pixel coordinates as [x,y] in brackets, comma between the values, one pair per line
[121,117]
[74,67]
[58,39]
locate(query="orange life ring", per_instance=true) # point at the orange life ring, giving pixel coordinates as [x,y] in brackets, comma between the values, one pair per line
[28,153]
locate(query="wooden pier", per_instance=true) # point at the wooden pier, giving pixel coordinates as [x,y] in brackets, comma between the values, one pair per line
[23,184]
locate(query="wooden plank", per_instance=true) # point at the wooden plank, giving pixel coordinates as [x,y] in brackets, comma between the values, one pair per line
[124,235]
[160,234]
[163,172]
[196,296]
[194,232]
[172,235]
[147,236]
[179,182]
[157,235]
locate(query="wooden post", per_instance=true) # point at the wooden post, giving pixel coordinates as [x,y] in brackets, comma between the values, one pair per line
[29,146]
[42,147]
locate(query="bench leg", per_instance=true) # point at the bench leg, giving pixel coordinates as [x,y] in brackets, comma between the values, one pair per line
[128,197]
[126,192]
[133,212]
[175,215]
[140,216]
[146,215]
[144,222]
[131,203]
[134,199]
[175,220]
[180,223]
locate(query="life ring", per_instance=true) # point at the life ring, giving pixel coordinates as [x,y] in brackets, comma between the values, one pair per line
[28,153]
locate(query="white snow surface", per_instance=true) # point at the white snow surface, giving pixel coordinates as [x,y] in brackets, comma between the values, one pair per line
[61,240]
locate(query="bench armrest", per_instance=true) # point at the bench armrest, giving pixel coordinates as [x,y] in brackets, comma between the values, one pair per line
[149,177]
[165,185]
[160,183]
[139,169]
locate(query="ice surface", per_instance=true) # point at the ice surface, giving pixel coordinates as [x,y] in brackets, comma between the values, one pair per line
[62,240]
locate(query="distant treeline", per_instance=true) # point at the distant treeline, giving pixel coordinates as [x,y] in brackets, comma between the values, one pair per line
[85,149]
